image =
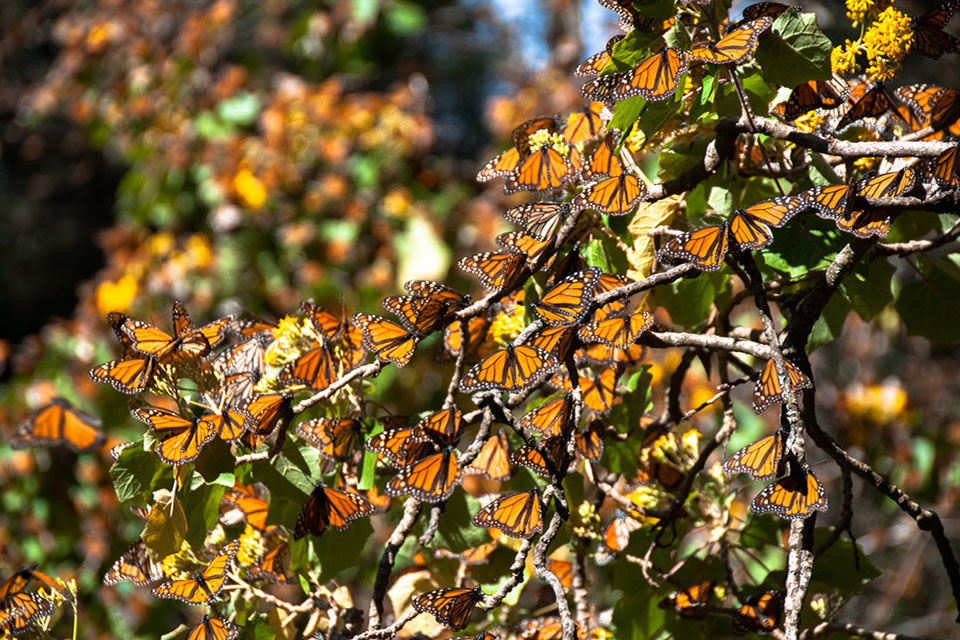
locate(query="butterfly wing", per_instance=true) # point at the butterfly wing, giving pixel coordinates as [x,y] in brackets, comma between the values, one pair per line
[451,606]
[388,340]
[768,391]
[518,515]
[136,566]
[214,629]
[59,423]
[567,303]
[126,376]
[493,461]
[513,369]
[735,47]
[655,78]
[760,460]
[705,248]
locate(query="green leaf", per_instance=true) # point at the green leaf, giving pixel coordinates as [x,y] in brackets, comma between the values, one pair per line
[626,112]
[929,306]
[869,288]
[240,110]
[829,325]
[456,532]
[839,569]
[803,246]
[202,506]
[133,474]
[688,300]
[657,113]
[215,460]
[340,550]
[633,49]
[794,51]
[595,255]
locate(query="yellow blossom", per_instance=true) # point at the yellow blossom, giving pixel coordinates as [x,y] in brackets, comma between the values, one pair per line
[691,442]
[876,404]
[160,244]
[636,140]
[809,122]
[865,163]
[843,59]
[397,201]
[886,42]
[250,189]
[116,296]
[292,337]
[857,10]
[507,326]
[215,536]
[544,138]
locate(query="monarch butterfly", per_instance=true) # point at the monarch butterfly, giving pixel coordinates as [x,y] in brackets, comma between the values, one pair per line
[815,94]
[595,64]
[602,88]
[126,376]
[539,220]
[451,606]
[18,610]
[874,103]
[389,341]
[337,438]
[615,196]
[186,342]
[762,10]
[342,335]
[474,555]
[442,428]
[501,166]
[589,441]
[428,475]
[945,169]
[759,614]
[556,460]
[556,341]
[391,444]
[687,602]
[270,566]
[604,161]
[252,507]
[551,419]
[60,423]
[493,461]
[518,515]
[437,292]
[830,202]
[705,247]
[495,270]
[735,47]
[204,587]
[522,244]
[242,366]
[179,439]
[775,212]
[264,412]
[548,629]
[616,536]
[598,390]
[214,629]
[327,508]
[796,495]
[546,169]
[315,369]
[513,369]
[521,133]
[567,303]
[656,78]
[585,124]
[761,459]
[767,391]
[866,223]
[228,422]
[610,282]
[607,356]
[134,565]
[929,38]
[933,106]
[619,332]
[476,333]
[418,315]
[894,184]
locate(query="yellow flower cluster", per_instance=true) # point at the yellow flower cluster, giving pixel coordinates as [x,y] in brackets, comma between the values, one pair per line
[292,337]
[544,138]
[507,325]
[251,546]
[857,10]
[886,42]
[808,123]
[876,404]
[843,59]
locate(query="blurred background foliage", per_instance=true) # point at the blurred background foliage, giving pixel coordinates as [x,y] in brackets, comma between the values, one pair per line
[247,155]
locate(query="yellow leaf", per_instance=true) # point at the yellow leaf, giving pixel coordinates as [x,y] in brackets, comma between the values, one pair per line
[166,526]
[648,216]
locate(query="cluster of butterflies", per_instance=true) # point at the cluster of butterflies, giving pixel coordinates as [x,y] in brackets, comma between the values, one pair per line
[19,608]
[759,613]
